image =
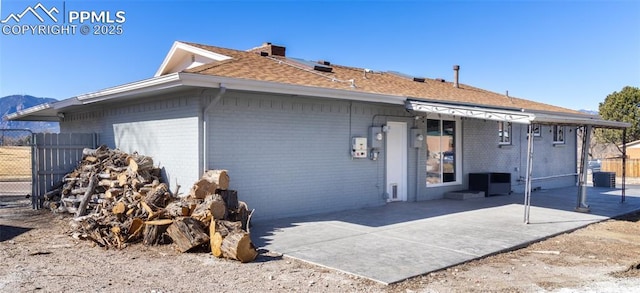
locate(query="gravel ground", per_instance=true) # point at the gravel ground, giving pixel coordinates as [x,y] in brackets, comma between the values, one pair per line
[38,255]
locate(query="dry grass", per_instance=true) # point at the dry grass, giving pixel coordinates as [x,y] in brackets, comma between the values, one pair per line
[15,163]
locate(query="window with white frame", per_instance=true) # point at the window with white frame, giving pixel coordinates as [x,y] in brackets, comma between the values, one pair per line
[504,132]
[558,134]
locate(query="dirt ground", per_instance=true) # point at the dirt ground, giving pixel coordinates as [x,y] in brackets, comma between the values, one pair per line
[37,255]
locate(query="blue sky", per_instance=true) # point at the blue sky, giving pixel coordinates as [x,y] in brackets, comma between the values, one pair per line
[567,53]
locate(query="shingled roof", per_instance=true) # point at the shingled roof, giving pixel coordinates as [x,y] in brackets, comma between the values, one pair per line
[267,69]
[272,68]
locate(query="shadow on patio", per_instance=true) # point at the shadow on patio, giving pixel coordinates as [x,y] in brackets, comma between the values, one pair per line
[414,238]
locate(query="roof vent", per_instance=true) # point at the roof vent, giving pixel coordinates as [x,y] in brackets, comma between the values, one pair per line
[400,74]
[322,68]
[324,62]
[440,79]
[264,54]
[456,71]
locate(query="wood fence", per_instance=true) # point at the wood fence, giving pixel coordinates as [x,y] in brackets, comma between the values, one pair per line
[615,165]
[53,156]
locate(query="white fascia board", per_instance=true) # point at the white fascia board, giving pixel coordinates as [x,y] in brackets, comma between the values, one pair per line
[66,103]
[179,47]
[471,112]
[129,89]
[575,120]
[28,111]
[200,80]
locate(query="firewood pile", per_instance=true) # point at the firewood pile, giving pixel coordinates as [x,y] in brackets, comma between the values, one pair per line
[119,199]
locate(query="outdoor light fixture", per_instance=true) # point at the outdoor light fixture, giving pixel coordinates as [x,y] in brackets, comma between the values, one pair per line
[418,137]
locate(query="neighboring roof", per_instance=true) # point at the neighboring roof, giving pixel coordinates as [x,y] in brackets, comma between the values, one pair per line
[633,144]
[196,65]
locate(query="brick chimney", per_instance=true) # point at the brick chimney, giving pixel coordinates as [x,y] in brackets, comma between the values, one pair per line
[269,49]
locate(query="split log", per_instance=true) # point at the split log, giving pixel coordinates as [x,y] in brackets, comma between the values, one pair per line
[202,188]
[217,207]
[113,193]
[159,222]
[154,230]
[159,197]
[98,152]
[219,177]
[91,159]
[241,214]
[212,207]
[138,163]
[105,175]
[230,198]
[238,246]
[119,208]
[135,229]
[123,179]
[187,233]
[87,195]
[178,209]
[227,227]
[108,183]
[53,193]
[215,239]
[151,212]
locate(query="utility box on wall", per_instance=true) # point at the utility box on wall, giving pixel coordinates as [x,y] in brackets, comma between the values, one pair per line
[359,147]
[376,137]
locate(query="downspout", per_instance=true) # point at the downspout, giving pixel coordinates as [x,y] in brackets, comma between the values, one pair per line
[624,163]
[205,124]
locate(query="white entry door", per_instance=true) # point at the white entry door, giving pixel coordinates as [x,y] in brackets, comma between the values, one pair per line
[396,161]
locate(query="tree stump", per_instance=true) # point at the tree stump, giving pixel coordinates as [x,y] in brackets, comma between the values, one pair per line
[202,188]
[238,246]
[219,177]
[154,230]
[187,233]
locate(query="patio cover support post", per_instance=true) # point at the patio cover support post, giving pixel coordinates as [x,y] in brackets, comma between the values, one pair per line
[528,178]
[582,205]
[624,163]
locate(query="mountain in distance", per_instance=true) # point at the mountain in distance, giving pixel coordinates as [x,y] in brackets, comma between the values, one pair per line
[590,112]
[14,103]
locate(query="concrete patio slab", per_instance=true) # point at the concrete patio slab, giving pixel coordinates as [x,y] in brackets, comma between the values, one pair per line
[397,241]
